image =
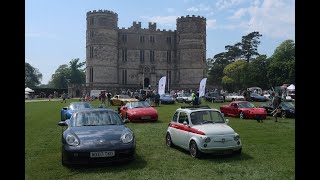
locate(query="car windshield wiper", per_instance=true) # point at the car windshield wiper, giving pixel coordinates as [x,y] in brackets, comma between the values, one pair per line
[204,122]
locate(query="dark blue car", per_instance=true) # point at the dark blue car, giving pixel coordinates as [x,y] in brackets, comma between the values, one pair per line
[257,97]
[166,99]
[287,109]
[93,136]
[67,111]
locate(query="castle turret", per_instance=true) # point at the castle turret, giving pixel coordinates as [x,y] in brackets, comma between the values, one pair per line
[191,50]
[102,49]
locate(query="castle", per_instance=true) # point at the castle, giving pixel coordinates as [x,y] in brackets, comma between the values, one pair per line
[136,58]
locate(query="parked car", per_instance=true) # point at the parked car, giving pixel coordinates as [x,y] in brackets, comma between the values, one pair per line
[67,111]
[213,97]
[243,110]
[234,97]
[138,111]
[287,109]
[202,130]
[257,97]
[96,136]
[121,100]
[184,97]
[167,99]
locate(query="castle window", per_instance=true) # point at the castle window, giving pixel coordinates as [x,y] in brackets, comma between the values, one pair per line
[142,56]
[168,56]
[124,38]
[124,77]
[91,34]
[151,55]
[169,39]
[152,39]
[141,39]
[91,52]
[124,55]
[91,22]
[90,74]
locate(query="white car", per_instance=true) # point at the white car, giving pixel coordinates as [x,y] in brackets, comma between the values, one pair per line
[234,97]
[202,129]
[185,97]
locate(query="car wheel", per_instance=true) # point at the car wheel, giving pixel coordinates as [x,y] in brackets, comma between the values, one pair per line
[63,161]
[168,140]
[283,114]
[232,99]
[241,115]
[194,151]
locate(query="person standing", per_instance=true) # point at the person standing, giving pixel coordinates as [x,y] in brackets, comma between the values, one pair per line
[196,99]
[109,98]
[64,97]
[157,99]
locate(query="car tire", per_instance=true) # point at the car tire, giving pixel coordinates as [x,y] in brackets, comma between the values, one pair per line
[241,115]
[63,161]
[168,140]
[232,99]
[283,114]
[194,151]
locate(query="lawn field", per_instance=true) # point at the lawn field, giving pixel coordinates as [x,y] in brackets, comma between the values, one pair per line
[268,150]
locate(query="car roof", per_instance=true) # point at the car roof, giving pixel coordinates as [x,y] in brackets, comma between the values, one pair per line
[190,109]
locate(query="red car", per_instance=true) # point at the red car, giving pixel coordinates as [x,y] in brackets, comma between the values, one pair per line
[140,111]
[243,110]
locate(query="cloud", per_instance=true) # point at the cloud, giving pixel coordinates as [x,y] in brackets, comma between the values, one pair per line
[238,14]
[169,21]
[272,18]
[224,4]
[200,7]
[211,23]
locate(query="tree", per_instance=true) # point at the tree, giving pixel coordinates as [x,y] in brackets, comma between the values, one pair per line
[282,64]
[65,75]
[234,75]
[32,76]
[233,52]
[249,45]
[256,74]
[219,62]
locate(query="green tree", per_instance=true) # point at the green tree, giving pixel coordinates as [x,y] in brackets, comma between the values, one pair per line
[282,64]
[233,52]
[32,76]
[219,62]
[77,75]
[256,74]
[234,75]
[249,45]
[60,78]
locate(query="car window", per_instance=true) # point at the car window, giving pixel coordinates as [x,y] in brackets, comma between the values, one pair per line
[77,106]
[201,117]
[175,117]
[183,117]
[96,118]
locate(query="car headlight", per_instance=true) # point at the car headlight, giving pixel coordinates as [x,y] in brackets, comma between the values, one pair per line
[126,137]
[236,137]
[72,140]
[206,140]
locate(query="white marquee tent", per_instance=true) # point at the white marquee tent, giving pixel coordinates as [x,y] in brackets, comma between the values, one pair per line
[28,90]
[291,87]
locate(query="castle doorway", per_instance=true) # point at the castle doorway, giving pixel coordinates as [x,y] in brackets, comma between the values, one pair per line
[146,82]
[77,93]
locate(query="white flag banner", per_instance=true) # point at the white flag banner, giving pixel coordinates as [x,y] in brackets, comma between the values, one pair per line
[162,85]
[202,88]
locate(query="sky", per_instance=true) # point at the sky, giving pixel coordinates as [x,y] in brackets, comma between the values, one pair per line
[55,31]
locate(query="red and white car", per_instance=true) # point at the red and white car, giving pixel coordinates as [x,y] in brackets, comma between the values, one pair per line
[243,110]
[201,129]
[139,111]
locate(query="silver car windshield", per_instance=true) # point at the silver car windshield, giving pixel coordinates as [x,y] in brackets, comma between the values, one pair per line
[203,117]
[139,104]
[96,118]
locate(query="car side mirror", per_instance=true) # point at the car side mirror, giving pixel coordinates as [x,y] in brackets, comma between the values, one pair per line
[62,123]
[185,123]
[222,114]
[227,121]
[126,121]
[65,108]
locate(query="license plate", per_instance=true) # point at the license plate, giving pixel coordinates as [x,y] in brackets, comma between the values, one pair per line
[145,117]
[102,154]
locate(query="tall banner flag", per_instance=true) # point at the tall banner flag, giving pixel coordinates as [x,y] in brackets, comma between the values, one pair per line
[162,85]
[202,88]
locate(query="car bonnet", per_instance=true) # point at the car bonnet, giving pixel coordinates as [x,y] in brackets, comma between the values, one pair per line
[214,129]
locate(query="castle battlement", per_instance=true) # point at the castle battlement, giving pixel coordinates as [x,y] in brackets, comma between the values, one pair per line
[190,18]
[102,11]
[152,27]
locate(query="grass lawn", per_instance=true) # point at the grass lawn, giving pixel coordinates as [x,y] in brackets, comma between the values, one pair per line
[268,150]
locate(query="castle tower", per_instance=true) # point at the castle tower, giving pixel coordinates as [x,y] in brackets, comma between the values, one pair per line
[191,51]
[102,49]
